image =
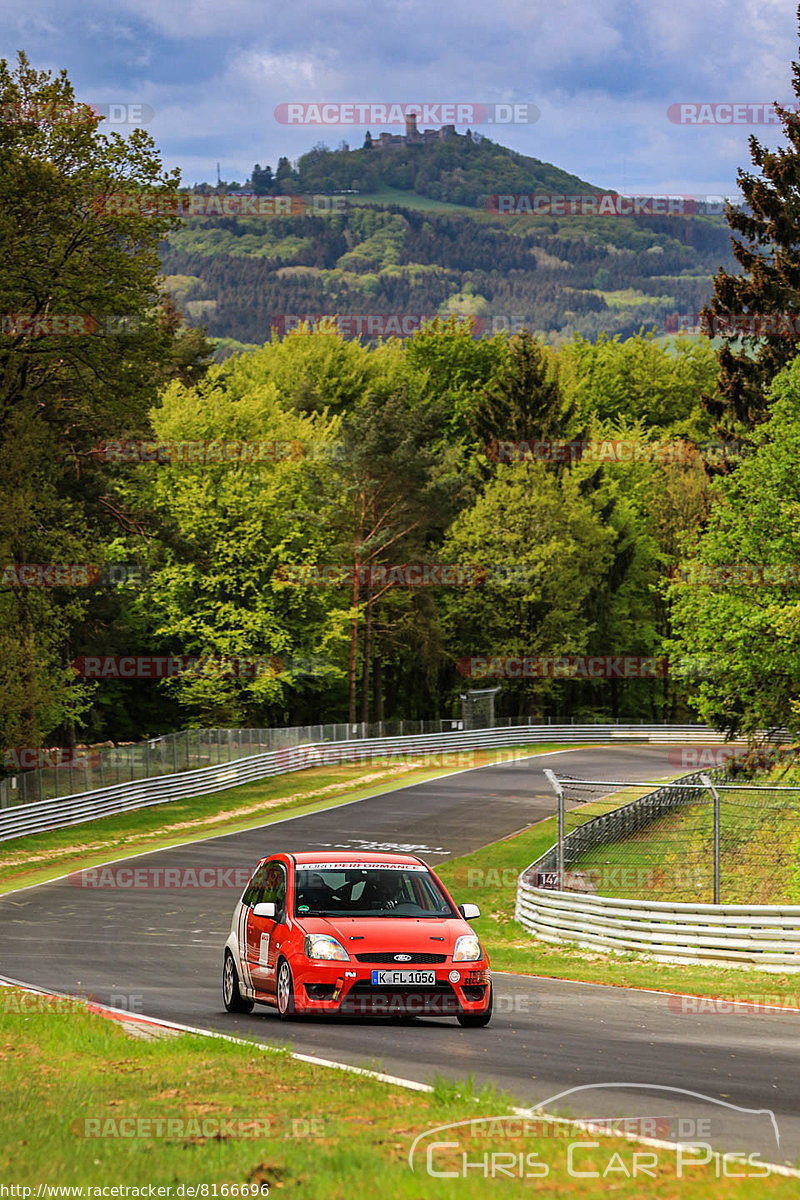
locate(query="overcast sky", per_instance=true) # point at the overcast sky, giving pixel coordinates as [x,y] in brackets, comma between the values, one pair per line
[602,73]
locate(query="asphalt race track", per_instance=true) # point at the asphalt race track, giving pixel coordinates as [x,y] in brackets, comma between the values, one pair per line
[158,951]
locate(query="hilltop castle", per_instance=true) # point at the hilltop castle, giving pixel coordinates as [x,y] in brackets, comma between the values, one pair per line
[414,136]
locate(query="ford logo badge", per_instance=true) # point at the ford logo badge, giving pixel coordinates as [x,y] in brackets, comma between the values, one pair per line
[402,958]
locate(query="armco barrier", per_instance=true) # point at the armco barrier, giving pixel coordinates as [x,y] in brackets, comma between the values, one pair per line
[25,819]
[763,935]
[90,768]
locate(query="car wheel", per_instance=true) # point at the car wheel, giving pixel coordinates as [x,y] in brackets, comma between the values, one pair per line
[285,997]
[232,998]
[478,1020]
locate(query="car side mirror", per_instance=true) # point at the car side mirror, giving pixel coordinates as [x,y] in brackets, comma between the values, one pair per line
[266,909]
[468,911]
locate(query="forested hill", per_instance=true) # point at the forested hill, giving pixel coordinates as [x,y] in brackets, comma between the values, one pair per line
[422,242]
[457,169]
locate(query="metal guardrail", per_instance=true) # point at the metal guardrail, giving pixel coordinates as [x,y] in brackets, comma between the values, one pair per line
[25,819]
[87,769]
[765,935]
[91,768]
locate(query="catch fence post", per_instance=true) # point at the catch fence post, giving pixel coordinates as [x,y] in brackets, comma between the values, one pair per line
[706,782]
[550,776]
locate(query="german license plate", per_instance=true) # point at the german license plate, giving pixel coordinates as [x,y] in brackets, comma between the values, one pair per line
[402,978]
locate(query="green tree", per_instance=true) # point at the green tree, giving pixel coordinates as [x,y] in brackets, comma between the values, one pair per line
[639,380]
[768,251]
[739,629]
[523,401]
[220,588]
[546,551]
[397,491]
[81,354]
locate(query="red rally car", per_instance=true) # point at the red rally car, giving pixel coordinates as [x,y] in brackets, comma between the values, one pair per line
[369,935]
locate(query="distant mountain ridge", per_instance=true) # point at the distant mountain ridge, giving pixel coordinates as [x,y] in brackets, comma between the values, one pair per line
[412,233]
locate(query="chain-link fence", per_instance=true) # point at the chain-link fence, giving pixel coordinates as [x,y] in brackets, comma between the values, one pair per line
[705,839]
[86,769]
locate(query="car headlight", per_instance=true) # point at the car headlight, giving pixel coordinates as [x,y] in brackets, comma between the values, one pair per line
[322,945]
[467,949]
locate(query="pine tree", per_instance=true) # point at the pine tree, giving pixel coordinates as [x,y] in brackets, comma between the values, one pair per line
[524,401]
[261,180]
[768,251]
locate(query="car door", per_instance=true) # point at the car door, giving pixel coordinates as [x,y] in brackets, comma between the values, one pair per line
[264,935]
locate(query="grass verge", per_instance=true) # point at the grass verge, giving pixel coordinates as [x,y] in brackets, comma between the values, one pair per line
[43,856]
[489,878]
[86,1105]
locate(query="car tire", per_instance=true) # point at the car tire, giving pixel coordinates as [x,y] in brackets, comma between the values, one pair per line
[232,998]
[471,1020]
[284,992]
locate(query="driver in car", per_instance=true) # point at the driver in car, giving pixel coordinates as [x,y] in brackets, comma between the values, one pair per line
[313,892]
[384,890]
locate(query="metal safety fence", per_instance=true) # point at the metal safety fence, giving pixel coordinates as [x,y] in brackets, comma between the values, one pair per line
[18,819]
[649,874]
[90,768]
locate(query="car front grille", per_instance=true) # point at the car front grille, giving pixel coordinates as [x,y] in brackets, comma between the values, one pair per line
[433,1000]
[389,956]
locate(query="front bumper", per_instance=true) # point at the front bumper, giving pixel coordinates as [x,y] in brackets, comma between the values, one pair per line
[348,988]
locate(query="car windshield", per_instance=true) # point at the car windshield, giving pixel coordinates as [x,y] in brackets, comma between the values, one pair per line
[335,891]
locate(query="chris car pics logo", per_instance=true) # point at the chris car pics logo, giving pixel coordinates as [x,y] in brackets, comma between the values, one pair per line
[675,1138]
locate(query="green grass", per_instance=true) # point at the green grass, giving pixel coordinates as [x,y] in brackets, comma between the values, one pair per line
[86,1105]
[389,195]
[631,298]
[44,856]
[488,878]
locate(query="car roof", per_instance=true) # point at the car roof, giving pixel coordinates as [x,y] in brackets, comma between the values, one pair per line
[335,857]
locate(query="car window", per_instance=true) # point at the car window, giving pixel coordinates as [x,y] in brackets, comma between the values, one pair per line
[375,892]
[252,893]
[268,884]
[274,886]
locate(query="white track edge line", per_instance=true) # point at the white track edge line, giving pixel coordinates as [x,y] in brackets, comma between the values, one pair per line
[394,1080]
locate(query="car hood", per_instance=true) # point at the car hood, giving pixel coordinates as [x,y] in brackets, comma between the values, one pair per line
[364,935]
